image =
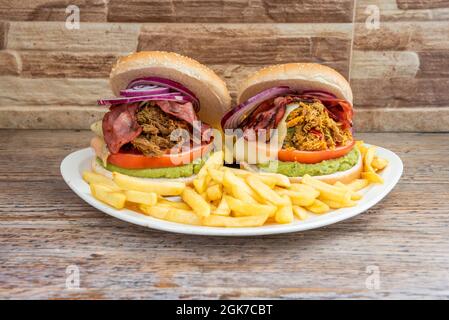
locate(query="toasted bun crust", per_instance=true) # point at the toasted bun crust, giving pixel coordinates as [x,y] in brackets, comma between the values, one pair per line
[298,76]
[342,176]
[210,89]
[96,167]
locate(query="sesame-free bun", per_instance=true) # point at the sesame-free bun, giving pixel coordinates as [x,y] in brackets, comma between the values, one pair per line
[342,176]
[299,77]
[203,82]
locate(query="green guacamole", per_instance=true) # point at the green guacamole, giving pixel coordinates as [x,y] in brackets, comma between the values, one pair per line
[297,169]
[186,170]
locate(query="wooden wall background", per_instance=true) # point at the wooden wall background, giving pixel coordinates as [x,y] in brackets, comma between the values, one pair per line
[50,77]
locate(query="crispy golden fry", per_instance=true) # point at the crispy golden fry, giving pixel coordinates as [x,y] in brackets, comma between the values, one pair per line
[358,184]
[298,198]
[285,213]
[270,179]
[248,209]
[148,198]
[92,177]
[265,191]
[223,221]
[196,202]
[327,191]
[303,188]
[103,193]
[318,207]
[362,148]
[163,188]
[239,188]
[337,205]
[368,159]
[379,163]
[222,209]
[300,212]
[216,175]
[214,192]
[372,177]
[172,214]
[215,161]
[354,195]
[162,202]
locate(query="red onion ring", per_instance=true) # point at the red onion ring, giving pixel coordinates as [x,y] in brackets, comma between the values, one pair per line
[235,116]
[168,84]
[168,97]
[144,90]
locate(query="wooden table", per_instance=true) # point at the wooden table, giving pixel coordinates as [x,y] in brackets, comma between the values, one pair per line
[403,242]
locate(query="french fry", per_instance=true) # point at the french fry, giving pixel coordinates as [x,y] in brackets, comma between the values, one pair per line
[92,177]
[196,202]
[372,177]
[214,192]
[163,188]
[285,213]
[216,175]
[162,202]
[368,159]
[354,195]
[223,221]
[358,184]
[222,208]
[318,207]
[148,198]
[327,191]
[270,179]
[213,162]
[172,214]
[379,163]
[244,208]
[362,148]
[239,188]
[303,188]
[337,205]
[265,191]
[103,193]
[298,198]
[300,212]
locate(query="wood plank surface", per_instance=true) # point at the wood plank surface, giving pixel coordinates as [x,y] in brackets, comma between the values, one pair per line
[45,227]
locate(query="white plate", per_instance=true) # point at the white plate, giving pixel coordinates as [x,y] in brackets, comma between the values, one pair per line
[75,163]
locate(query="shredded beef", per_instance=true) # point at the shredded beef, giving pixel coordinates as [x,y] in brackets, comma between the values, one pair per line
[157,127]
[310,128]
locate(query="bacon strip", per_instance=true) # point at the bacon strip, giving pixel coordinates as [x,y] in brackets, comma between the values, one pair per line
[120,125]
[268,114]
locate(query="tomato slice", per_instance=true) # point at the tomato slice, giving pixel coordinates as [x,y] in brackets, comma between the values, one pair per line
[314,156]
[139,161]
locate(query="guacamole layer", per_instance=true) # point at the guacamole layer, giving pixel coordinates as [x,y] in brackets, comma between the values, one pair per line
[186,170]
[297,169]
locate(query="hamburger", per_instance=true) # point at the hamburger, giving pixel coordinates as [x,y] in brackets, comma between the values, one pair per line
[310,106]
[159,124]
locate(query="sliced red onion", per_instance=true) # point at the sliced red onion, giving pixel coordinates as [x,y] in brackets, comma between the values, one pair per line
[168,84]
[235,116]
[144,90]
[167,97]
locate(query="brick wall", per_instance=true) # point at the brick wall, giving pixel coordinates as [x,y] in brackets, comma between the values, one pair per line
[50,76]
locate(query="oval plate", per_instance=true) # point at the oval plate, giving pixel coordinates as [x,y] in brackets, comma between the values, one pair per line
[77,162]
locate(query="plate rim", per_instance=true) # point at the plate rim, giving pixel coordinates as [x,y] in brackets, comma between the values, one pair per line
[72,176]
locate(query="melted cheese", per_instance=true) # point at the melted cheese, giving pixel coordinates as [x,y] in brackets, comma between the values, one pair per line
[282,126]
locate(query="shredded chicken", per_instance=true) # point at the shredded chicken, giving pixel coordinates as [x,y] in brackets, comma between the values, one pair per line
[309,128]
[157,127]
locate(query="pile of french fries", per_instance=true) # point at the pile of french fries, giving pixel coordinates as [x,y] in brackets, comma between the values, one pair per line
[227,197]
